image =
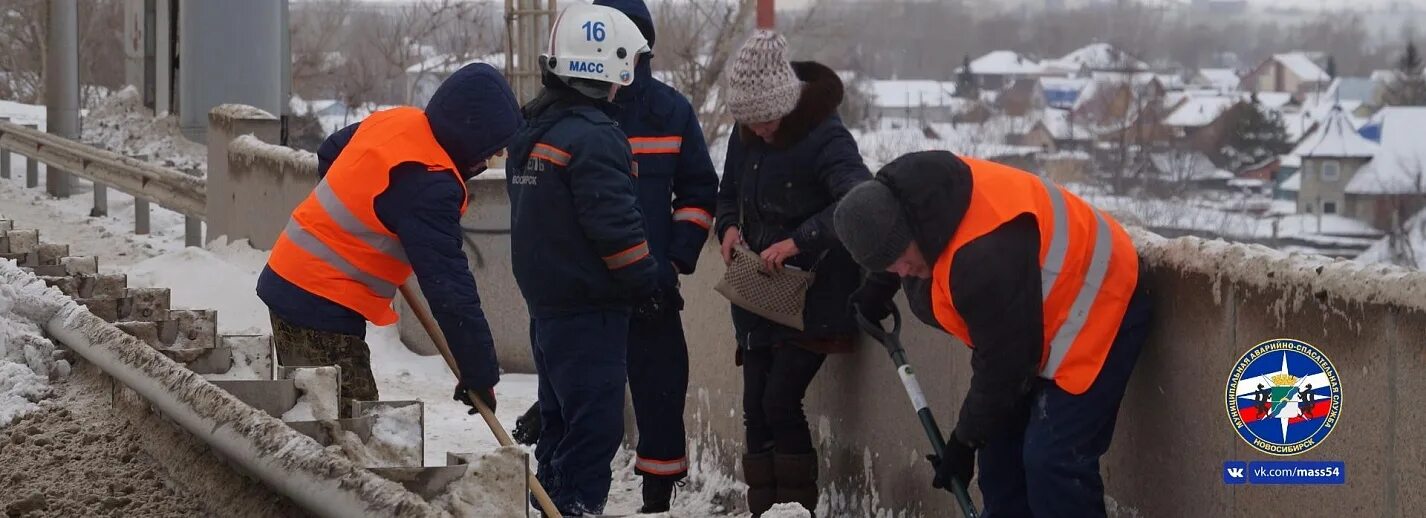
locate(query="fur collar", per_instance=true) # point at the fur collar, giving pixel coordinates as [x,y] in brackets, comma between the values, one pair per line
[822,93]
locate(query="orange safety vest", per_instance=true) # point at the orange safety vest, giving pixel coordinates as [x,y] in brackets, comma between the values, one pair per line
[334,246]
[1088,268]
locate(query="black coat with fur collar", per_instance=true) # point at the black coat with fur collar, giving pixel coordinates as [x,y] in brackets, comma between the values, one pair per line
[788,189]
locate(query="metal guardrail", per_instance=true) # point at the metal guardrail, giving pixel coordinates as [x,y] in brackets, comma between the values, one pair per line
[146,182]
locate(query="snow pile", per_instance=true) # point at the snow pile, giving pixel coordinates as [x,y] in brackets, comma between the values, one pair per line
[28,361]
[121,123]
[318,387]
[788,510]
[484,490]
[397,435]
[222,277]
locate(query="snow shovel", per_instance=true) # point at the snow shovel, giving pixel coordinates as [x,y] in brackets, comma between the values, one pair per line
[892,342]
[546,505]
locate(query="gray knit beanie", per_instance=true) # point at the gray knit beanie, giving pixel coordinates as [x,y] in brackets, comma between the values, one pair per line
[870,223]
[761,84]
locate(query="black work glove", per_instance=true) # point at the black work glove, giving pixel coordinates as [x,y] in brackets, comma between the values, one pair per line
[959,463]
[650,308]
[527,427]
[486,395]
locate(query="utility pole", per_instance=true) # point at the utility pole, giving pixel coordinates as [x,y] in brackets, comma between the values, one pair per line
[767,15]
[62,84]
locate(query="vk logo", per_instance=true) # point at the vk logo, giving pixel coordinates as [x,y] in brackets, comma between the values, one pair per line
[1235,472]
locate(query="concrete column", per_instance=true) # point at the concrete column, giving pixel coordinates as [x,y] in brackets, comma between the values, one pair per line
[163,56]
[32,166]
[225,123]
[62,84]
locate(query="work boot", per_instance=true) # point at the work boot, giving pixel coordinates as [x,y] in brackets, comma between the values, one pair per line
[658,494]
[796,478]
[762,484]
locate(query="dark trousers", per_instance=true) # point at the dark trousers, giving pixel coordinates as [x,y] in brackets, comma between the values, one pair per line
[775,380]
[581,364]
[1049,466]
[658,384]
[302,347]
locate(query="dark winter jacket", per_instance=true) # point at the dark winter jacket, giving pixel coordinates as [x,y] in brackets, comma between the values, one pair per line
[995,281]
[789,189]
[423,210]
[577,235]
[678,186]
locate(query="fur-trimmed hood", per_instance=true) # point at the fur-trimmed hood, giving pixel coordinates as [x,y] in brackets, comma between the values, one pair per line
[822,93]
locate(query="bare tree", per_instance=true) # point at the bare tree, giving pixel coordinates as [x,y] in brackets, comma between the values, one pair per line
[22,34]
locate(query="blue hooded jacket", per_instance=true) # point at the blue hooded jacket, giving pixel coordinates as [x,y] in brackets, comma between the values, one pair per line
[473,114]
[678,187]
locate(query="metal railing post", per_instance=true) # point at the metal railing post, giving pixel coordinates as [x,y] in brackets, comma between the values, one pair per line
[32,166]
[141,208]
[4,157]
[101,201]
[192,231]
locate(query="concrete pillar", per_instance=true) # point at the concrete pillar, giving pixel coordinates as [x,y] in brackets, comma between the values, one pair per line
[32,166]
[62,84]
[141,208]
[163,56]
[225,123]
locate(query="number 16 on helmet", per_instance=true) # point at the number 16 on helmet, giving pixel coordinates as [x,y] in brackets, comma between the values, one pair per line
[595,42]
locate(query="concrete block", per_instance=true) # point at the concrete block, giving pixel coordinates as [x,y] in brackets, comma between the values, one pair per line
[212,360]
[428,482]
[107,309]
[272,396]
[321,431]
[192,328]
[80,265]
[253,352]
[22,258]
[50,253]
[67,285]
[146,304]
[146,332]
[23,241]
[106,286]
[48,270]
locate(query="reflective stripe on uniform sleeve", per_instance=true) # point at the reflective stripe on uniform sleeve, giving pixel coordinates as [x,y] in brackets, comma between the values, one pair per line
[1084,300]
[309,243]
[695,216]
[655,145]
[629,256]
[344,218]
[550,154]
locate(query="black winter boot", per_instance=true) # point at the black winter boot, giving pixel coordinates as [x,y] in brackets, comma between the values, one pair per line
[797,479]
[762,484]
[658,494]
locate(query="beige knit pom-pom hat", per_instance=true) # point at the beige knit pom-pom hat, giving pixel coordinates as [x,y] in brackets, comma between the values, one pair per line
[761,84]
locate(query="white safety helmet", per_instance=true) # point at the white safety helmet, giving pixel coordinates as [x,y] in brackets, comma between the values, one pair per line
[595,42]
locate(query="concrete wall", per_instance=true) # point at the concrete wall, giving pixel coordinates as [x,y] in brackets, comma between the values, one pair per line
[252,187]
[1214,302]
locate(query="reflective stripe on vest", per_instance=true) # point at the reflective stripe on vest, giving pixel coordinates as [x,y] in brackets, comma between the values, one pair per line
[655,145]
[1088,268]
[550,154]
[334,246]
[661,467]
[695,216]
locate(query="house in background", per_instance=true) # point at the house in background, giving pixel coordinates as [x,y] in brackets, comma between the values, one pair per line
[1062,92]
[1179,171]
[1095,57]
[920,100]
[1001,68]
[1297,73]
[1023,98]
[1332,155]
[1202,122]
[423,78]
[1392,186]
[1220,79]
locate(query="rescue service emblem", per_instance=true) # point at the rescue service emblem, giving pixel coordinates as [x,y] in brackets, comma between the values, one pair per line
[1284,397]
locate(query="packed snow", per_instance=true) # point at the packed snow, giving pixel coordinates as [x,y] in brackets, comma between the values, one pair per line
[318,387]
[28,360]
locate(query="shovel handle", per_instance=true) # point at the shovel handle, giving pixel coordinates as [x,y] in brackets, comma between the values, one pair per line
[541,496]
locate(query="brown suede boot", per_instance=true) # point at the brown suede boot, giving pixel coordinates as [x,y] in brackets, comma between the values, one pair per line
[797,479]
[762,484]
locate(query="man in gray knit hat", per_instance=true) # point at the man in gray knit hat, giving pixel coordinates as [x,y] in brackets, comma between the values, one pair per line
[1044,288]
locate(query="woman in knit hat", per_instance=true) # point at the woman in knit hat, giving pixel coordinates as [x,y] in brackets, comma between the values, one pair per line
[789,161]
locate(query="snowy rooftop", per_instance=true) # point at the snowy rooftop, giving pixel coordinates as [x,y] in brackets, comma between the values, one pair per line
[1005,62]
[1302,66]
[913,93]
[1400,164]
[1336,137]
[1198,111]
[1099,56]
[1187,166]
[1221,78]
